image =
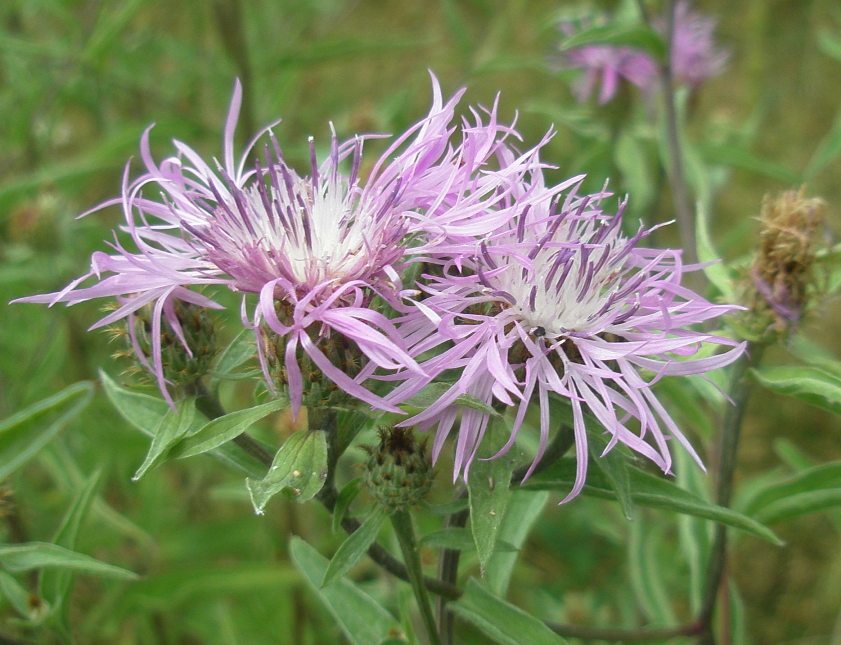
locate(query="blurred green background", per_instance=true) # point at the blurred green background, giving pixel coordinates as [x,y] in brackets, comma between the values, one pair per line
[80,80]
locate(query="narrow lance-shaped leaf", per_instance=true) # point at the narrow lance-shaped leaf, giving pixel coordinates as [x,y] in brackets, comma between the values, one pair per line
[502,621]
[299,467]
[223,429]
[240,349]
[488,485]
[23,434]
[355,546]
[344,500]
[40,555]
[169,431]
[648,490]
[807,383]
[630,35]
[362,619]
[523,510]
[144,412]
[55,583]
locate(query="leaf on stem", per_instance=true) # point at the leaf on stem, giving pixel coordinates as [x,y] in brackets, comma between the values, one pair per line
[25,433]
[362,619]
[500,620]
[355,546]
[299,468]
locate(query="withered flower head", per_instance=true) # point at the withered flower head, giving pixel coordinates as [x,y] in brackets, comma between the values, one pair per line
[783,271]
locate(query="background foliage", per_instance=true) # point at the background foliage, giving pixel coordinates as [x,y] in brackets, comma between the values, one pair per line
[80,79]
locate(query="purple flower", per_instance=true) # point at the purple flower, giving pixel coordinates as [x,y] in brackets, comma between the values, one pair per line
[314,249]
[694,58]
[608,65]
[561,302]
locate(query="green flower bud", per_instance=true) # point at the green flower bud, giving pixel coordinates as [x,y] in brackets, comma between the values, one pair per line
[398,472]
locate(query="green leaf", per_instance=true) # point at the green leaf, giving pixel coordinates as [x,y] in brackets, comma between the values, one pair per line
[240,349]
[448,508]
[803,504]
[25,433]
[636,36]
[223,429]
[452,537]
[826,476]
[489,487]
[18,597]
[649,490]
[432,392]
[55,584]
[172,427]
[810,384]
[363,620]
[612,465]
[647,581]
[828,150]
[830,44]
[524,508]
[145,412]
[502,621]
[738,157]
[299,466]
[717,273]
[41,555]
[355,546]
[344,500]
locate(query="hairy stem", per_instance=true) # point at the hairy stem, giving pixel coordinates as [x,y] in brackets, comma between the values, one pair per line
[740,388]
[404,529]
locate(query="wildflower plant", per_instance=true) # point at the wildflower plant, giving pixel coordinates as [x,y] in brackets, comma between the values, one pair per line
[431,334]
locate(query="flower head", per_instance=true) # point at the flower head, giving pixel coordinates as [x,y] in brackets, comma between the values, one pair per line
[562,302]
[309,251]
[694,57]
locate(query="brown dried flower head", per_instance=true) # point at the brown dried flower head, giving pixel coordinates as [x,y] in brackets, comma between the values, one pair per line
[783,271]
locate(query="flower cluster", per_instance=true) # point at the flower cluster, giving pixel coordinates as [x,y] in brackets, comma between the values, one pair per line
[527,290]
[693,58]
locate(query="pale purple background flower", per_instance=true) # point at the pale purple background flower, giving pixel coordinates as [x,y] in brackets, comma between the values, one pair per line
[694,58]
[561,301]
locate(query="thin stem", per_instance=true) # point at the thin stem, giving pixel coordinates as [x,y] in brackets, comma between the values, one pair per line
[677,179]
[448,572]
[625,635]
[404,529]
[739,392]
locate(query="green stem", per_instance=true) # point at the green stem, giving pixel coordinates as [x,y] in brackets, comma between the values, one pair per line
[402,523]
[740,388]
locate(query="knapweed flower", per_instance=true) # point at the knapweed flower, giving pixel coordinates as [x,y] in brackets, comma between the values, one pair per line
[562,302]
[694,57]
[783,271]
[309,252]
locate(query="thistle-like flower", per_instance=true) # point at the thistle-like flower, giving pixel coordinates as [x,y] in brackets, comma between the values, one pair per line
[315,249]
[694,57]
[562,302]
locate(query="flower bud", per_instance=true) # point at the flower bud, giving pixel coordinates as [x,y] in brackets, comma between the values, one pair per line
[186,353]
[398,472]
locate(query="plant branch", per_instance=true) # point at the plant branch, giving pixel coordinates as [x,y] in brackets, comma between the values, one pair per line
[677,179]
[625,635]
[740,388]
